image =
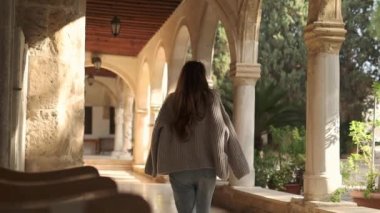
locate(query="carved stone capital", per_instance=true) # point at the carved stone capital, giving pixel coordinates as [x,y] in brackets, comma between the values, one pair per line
[142,111]
[324,37]
[245,74]
[155,108]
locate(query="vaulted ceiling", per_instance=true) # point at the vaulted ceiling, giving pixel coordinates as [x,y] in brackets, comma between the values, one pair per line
[140,20]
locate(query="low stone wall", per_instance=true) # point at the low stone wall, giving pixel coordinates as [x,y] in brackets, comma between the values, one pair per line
[260,200]
[255,199]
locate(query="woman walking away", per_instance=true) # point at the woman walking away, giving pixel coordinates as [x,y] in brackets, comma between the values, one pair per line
[193,141]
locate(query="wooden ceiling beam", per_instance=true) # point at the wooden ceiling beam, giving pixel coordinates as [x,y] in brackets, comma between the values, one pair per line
[140,20]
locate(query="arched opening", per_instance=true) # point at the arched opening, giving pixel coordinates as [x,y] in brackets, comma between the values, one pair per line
[141,127]
[159,78]
[143,89]
[221,60]
[106,111]
[182,51]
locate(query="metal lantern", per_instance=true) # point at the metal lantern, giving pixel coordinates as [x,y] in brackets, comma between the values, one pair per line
[115,24]
[97,62]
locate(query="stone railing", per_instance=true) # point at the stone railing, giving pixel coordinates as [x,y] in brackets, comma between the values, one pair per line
[260,200]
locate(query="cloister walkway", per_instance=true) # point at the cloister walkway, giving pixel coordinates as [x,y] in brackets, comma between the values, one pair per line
[159,195]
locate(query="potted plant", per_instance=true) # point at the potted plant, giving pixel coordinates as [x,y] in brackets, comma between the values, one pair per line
[363,189]
[280,166]
[365,192]
[363,136]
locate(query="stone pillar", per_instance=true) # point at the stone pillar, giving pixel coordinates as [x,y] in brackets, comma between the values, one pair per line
[118,140]
[128,119]
[152,119]
[55,32]
[141,145]
[244,79]
[7,16]
[322,175]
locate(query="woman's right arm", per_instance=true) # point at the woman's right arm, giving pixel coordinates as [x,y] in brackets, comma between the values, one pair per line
[151,163]
[236,157]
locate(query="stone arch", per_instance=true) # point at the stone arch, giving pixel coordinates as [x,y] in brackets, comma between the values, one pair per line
[323,10]
[205,44]
[159,80]
[225,15]
[143,88]
[117,70]
[248,31]
[111,94]
[227,51]
[181,45]
[142,107]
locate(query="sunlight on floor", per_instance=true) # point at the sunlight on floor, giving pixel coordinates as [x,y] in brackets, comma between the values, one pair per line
[119,175]
[159,195]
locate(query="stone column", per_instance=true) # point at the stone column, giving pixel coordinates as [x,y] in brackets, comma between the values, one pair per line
[118,140]
[128,119]
[55,32]
[322,175]
[7,15]
[244,79]
[154,109]
[141,145]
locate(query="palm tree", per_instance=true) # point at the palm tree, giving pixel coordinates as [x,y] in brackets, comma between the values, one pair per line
[273,108]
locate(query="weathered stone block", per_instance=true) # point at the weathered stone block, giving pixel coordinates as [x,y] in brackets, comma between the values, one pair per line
[70,2]
[58,18]
[47,2]
[44,85]
[34,23]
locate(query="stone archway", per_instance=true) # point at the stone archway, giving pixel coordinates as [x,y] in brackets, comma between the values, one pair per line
[123,110]
[159,80]
[141,142]
[204,49]
[179,53]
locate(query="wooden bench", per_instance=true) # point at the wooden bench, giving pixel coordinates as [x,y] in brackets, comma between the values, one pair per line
[75,173]
[117,203]
[79,190]
[33,195]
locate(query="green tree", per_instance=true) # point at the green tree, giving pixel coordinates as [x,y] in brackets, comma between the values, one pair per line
[376,20]
[221,66]
[359,63]
[281,91]
[274,109]
[282,51]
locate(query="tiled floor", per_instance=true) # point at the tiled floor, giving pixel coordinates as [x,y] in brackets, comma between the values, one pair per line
[158,195]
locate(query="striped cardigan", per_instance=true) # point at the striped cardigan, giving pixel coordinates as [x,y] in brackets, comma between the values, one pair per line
[213,143]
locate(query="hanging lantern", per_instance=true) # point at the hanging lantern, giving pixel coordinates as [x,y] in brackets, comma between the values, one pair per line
[115,24]
[97,62]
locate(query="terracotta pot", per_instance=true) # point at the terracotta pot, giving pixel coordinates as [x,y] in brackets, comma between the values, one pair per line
[294,188]
[372,202]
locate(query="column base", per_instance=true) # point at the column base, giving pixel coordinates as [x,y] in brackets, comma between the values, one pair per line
[246,181]
[319,187]
[122,155]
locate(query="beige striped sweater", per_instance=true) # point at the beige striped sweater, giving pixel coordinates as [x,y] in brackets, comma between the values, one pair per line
[212,144]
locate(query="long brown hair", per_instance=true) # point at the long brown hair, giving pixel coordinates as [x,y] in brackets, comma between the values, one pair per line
[192,97]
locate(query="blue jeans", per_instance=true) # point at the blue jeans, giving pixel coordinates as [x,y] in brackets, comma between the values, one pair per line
[193,188]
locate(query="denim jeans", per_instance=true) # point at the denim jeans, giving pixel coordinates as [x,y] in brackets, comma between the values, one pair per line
[193,188]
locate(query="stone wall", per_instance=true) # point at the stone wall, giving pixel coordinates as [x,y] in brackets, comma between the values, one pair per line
[7,27]
[55,33]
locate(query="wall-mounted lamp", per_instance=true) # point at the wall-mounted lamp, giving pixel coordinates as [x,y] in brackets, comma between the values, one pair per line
[115,25]
[97,62]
